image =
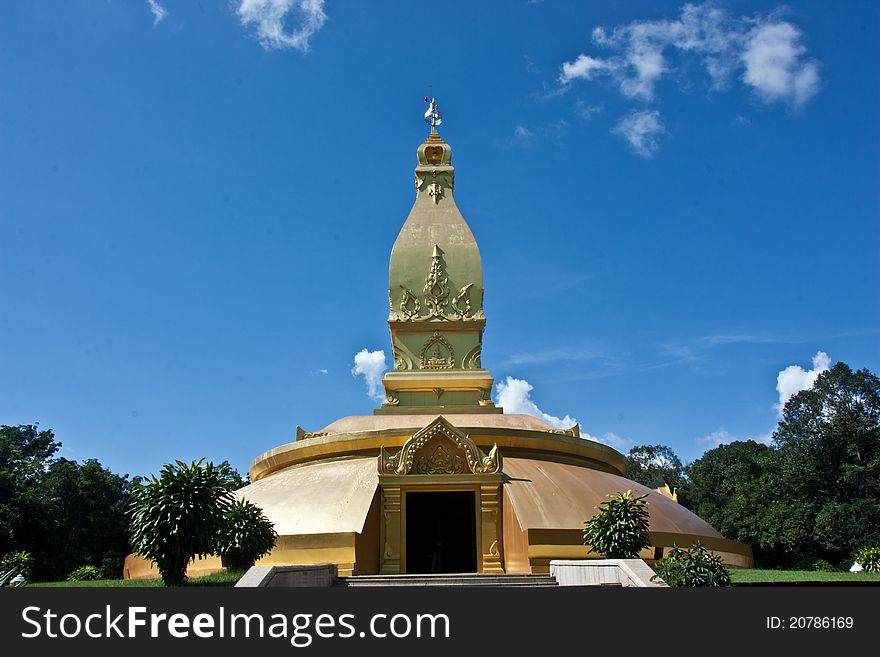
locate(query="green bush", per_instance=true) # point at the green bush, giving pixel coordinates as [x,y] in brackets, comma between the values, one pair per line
[85,574]
[694,567]
[246,536]
[815,564]
[111,566]
[620,529]
[869,558]
[15,563]
[178,516]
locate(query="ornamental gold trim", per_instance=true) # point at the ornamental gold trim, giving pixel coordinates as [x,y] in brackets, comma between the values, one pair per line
[440,459]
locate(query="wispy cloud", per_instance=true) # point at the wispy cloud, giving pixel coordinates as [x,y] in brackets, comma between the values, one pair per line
[766,49]
[642,129]
[585,111]
[693,350]
[283,23]
[159,12]
[724,437]
[795,378]
[557,354]
[522,136]
[531,66]
[525,137]
[514,396]
[764,52]
[371,365]
[717,438]
[612,440]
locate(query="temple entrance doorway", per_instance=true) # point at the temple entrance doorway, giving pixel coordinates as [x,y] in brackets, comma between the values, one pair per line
[441,532]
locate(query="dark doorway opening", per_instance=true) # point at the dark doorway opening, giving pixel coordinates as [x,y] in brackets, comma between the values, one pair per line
[441,533]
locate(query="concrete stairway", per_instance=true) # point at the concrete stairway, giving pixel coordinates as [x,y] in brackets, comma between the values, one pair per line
[451,579]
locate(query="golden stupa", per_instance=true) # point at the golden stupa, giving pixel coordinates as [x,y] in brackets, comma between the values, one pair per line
[439,479]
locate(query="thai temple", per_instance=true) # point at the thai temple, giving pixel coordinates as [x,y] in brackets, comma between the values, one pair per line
[439,479]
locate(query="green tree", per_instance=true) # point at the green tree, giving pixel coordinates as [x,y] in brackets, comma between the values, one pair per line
[829,445]
[620,528]
[654,465]
[178,516]
[247,535]
[737,489]
[64,513]
[232,478]
[25,452]
[85,521]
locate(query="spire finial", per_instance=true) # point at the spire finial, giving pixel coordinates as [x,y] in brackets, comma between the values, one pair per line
[433,117]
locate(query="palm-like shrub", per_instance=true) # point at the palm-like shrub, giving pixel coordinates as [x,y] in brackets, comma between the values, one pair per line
[869,558]
[246,535]
[178,516]
[15,563]
[620,529]
[692,567]
[85,574]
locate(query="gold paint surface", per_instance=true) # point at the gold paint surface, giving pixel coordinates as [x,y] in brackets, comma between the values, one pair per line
[327,497]
[361,434]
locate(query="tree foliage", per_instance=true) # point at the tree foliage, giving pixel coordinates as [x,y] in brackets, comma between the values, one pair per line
[696,566]
[620,528]
[64,513]
[829,445]
[24,454]
[736,489]
[231,478]
[178,516]
[654,465]
[246,535]
[816,492]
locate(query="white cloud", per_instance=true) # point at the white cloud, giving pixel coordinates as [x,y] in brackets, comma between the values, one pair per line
[513,395]
[717,438]
[768,49]
[269,19]
[795,378]
[159,12]
[371,365]
[641,128]
[582,68]
[775,65]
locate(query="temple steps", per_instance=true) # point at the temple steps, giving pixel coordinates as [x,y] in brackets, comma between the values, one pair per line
[450,579]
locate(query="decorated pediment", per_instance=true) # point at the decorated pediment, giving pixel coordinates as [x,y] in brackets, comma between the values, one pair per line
[440,449]
[437,354]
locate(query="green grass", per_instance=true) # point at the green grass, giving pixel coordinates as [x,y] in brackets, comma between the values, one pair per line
[216,579]
[771,576]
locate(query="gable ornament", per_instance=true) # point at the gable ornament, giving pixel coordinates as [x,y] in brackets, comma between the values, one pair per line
[440,448]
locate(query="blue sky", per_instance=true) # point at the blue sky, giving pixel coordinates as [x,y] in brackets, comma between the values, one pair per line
[198,201]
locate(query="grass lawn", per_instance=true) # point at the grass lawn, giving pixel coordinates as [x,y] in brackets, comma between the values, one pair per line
[217,579]
[771,576]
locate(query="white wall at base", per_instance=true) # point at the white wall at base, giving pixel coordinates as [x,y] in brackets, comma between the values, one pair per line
[596,572]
